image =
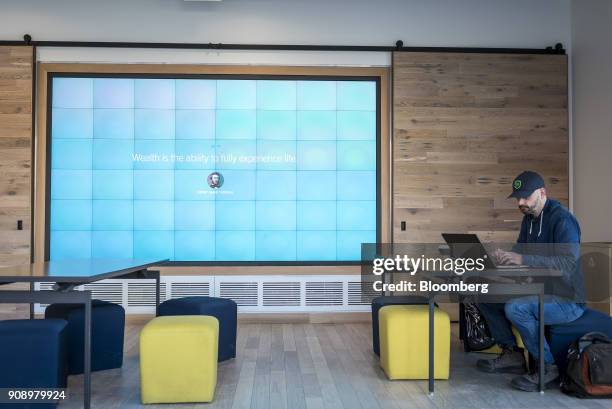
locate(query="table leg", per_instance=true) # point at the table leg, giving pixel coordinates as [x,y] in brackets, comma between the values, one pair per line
[462,335]
[87,356]
[157,290]
[542,340]
[431,345]
[31,304]
[461,319]
[387,278]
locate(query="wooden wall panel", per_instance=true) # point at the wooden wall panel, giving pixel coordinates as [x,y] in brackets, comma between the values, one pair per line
[15,153]
[463,126]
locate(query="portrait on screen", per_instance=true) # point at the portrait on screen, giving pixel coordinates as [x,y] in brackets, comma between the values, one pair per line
[215,180]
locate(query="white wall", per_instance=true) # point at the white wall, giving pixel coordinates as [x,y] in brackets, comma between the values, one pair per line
[592,82]
[474,23]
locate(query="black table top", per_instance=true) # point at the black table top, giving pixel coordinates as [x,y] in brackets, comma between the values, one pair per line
[75,271]
[519,272]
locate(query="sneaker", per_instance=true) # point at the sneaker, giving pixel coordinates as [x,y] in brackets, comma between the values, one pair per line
[510,361]
[531,382]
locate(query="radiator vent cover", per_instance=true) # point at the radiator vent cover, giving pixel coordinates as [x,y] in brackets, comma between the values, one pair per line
[186,289]
[106,291]
[252,293]
[361,294]
[142,294]
[281,294]
[244,293]
[323,293]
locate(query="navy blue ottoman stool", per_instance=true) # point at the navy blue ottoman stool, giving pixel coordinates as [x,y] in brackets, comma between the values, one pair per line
[379,302]
[107,329]
[32,355]
[223,309]
[561,336]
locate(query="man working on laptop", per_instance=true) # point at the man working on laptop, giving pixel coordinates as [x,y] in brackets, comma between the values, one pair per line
[545,221]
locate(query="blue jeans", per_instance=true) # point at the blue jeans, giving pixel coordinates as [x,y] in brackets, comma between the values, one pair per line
[524,315]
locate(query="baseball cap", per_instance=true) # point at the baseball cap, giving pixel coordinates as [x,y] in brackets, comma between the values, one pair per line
[525,184]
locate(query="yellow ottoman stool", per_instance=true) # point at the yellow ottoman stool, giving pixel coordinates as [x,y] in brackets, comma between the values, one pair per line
[404,342]
[496,349]
[178,359]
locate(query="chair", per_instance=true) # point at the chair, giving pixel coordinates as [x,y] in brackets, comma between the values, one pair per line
[32,355]
[178,359]
[404,342]
[107,330]
[225,310]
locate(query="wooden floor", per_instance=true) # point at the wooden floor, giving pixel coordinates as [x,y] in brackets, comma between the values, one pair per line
[330,366]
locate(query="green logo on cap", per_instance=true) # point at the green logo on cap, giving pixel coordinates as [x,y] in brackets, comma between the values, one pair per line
[517,184]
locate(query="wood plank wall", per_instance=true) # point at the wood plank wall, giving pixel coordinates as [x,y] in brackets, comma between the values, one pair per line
[463,126]
[15,153]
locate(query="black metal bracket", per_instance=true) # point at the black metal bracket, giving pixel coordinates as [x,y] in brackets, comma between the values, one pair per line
[141,274]
[63,287]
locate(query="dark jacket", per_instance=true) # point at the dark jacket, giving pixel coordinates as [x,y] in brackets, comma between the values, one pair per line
[556,234]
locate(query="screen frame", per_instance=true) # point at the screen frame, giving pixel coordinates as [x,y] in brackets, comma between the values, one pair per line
[287,77]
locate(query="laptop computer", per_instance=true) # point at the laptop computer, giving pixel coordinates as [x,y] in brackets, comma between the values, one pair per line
[467,245]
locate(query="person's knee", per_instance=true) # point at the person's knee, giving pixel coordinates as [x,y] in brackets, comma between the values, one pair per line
[517,310]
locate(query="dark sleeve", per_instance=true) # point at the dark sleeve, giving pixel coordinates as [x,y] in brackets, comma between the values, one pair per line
[563,254]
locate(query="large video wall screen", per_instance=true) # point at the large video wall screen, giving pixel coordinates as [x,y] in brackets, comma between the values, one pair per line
[212,169]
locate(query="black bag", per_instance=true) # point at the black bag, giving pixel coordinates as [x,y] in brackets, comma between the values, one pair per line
[589,367]
[476,333]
